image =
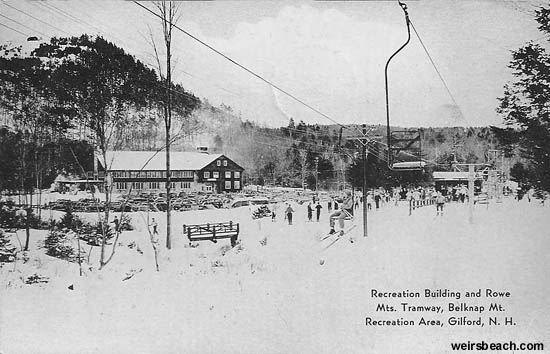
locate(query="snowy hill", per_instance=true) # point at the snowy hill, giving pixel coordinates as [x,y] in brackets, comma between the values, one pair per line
[274,296]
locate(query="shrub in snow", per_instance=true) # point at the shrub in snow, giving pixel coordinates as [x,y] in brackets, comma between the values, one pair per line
[8,219]
[12,217]
[126,223]
[70,221]
[59,244]
[7,251]
[93,234]
[36,279]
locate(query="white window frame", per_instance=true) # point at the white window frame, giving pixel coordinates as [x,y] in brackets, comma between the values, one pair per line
[218,163]
[225,163]
[236,174]
[227,174]
[227,185]
[216,174]
[237,184]
[206,174]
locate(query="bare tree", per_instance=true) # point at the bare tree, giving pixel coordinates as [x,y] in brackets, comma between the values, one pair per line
[168,14]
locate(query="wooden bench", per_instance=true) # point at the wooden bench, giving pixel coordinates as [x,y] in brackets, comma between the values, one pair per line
[212,232]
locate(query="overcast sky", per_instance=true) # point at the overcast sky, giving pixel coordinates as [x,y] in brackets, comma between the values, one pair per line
[330,54]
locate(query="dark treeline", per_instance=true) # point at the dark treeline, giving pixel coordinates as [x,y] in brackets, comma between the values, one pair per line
[71,96]
[84,89]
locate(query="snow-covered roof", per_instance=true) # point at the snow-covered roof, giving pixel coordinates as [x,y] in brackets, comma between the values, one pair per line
[452,176]
[151,160]
[409,165]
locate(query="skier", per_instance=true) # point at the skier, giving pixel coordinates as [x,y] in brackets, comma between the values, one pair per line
[346,209]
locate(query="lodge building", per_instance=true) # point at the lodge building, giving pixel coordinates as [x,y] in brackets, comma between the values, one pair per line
[191,171]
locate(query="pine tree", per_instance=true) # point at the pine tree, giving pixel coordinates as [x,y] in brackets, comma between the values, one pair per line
[526,101]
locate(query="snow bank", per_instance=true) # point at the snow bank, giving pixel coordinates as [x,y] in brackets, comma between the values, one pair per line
[270,294]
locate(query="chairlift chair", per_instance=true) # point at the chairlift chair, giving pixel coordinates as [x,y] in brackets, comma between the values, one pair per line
[402,142]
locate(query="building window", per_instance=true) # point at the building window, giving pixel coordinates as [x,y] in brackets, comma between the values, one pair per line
[154,185]
[225,163]
[227,184]
[237,175]
[206,174]
[216,174]
[237,184]
[120,185]
[186,185]
[227,174]
[218,163]
[188,174]
[172,185]
[137,185]
[118,174]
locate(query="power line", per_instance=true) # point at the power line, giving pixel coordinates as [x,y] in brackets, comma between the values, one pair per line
[13,29]
[23,12]
[23,25]
[81,22]
[243,67]
[439,74]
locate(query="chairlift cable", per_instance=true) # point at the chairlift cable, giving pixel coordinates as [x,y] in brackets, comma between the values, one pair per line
[439,74]
[243,67]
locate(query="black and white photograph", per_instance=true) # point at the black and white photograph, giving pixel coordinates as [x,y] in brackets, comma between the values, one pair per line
[239,176]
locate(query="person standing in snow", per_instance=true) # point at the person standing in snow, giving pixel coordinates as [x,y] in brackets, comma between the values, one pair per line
[116,222]
[439,203]
[377,199]
[318,207]
[288,213]
[369,201]
[154,225]
[309,212]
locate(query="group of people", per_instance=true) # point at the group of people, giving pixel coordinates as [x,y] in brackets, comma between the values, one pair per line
[343,211]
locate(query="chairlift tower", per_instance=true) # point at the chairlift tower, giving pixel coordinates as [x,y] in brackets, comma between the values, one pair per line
[363,140]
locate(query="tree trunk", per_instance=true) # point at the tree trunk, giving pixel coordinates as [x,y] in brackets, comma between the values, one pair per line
[168,18]
[104,223]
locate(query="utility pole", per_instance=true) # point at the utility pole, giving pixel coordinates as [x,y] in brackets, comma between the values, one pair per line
[363,140]
[316,174]
[471,179]
[364,143]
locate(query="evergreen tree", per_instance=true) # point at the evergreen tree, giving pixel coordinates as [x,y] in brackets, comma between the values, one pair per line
[526,101]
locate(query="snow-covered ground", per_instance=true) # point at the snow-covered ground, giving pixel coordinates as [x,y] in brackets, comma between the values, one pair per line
[275,297]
